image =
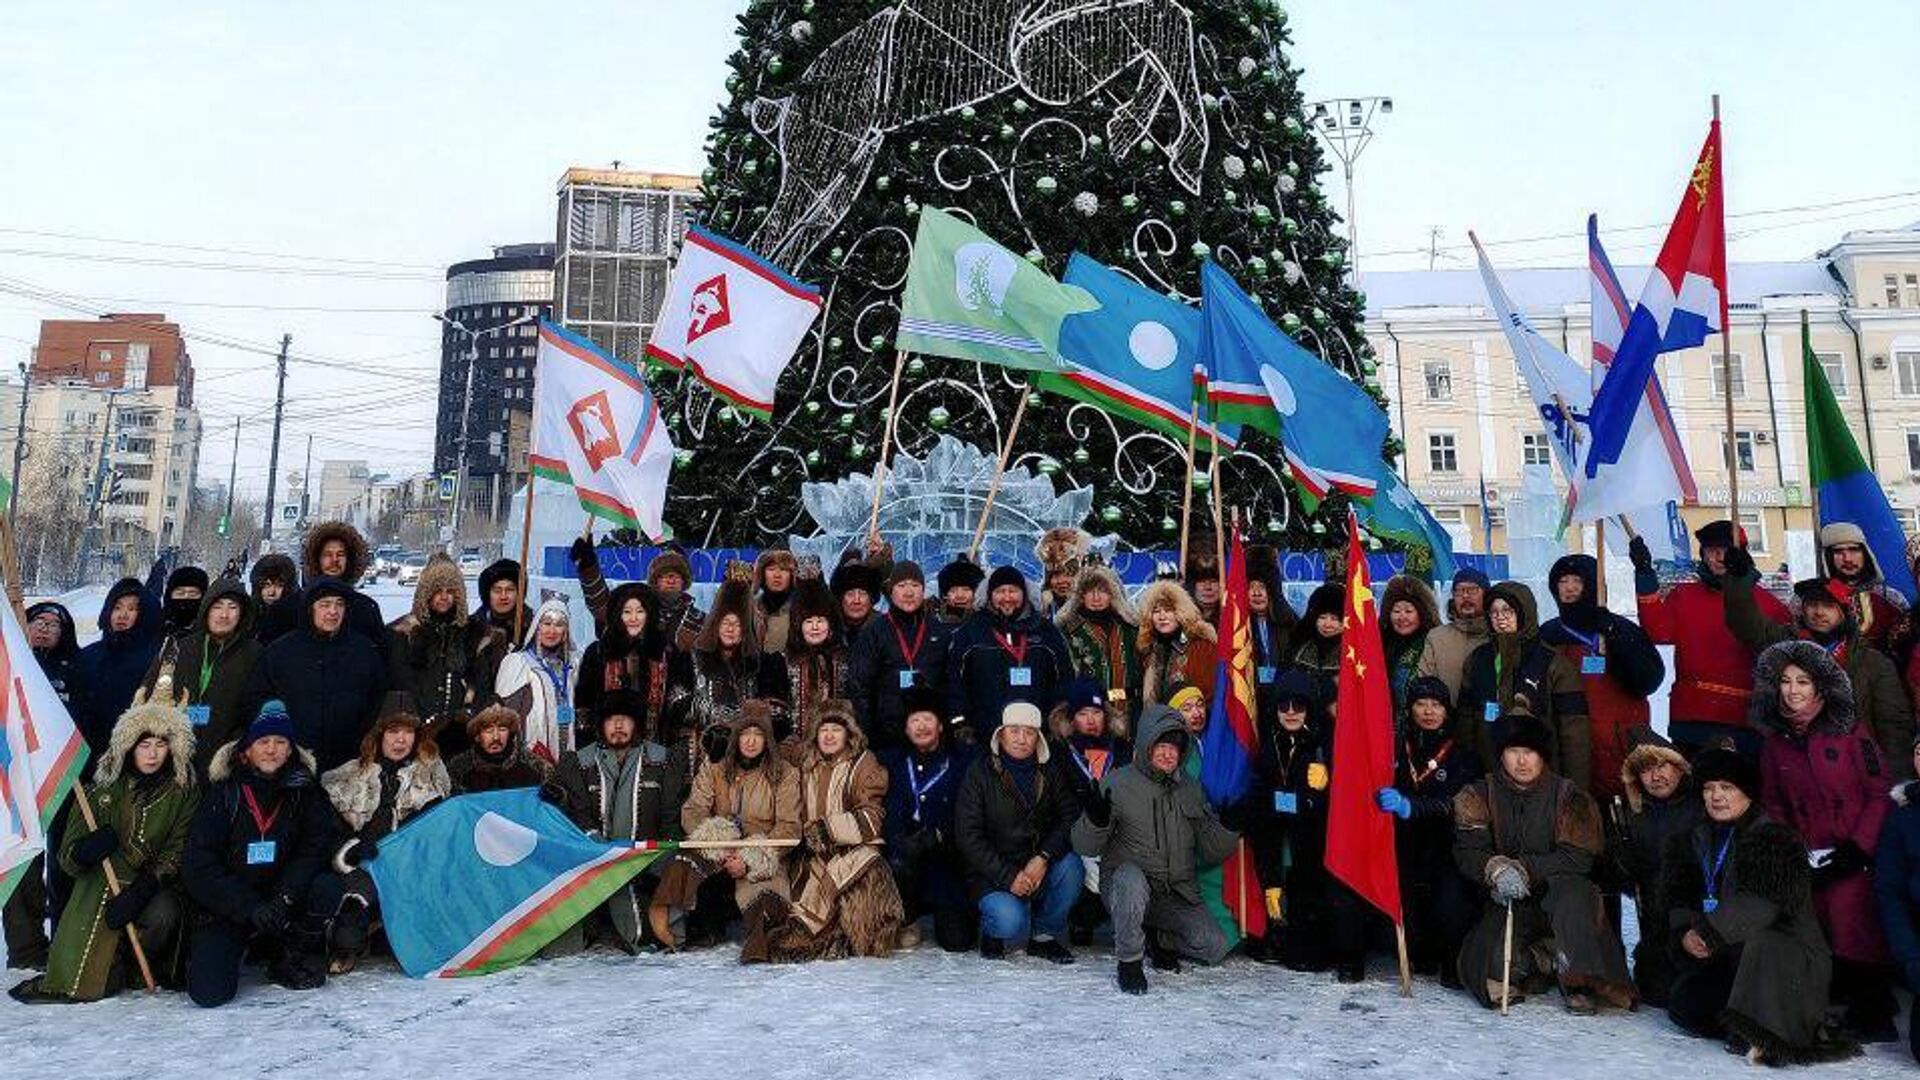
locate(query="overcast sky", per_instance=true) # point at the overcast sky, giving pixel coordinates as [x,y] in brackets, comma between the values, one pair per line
[333,158]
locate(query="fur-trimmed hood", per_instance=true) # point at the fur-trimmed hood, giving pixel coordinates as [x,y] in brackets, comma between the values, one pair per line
[1763,708]
[840,712]
[1414,591]
[615,640]
[145,626]
[1070,617]
[274,566]
[303,761]
[670,560]
[734,598]
[1060,723]
[227,588]
[1173,595]
[440,573]
[554,606]
[1846,532]
[1643,757]
[146,718]
[317,538]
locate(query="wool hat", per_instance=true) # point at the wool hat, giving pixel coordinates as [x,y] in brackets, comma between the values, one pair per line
[397,710]
[1022,714]
[1472,575]
[273,720]
[1085,694]
[1719,534]
[962,572]
[919,699]
[1729,766]
[853,574]
[1179,698]
[621,702]
[1429,688]
[905,570]
[1823,591]
[1006,575]
[1524,729]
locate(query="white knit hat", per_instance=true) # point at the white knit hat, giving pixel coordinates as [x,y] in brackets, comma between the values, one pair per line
[1022,714]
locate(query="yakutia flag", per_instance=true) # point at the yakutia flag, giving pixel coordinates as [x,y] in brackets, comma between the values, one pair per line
[598,428]
[481,882]
[1684,300]
[734,318]
[41,754]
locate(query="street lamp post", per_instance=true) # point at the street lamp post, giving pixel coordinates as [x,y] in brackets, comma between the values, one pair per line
[466,406]
[1346,126]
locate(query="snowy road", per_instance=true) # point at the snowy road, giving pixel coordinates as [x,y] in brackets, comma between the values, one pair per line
[924,1014]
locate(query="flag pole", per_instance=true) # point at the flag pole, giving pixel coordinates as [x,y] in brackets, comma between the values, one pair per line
[1219,530]
[1406,965]
[1186,486]
[1813,489]
[1726,387]
[999,470]
[526,518]
[1600,559]
[886,444]
[113,888]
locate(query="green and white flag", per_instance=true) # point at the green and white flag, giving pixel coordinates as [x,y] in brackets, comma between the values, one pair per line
[972,299]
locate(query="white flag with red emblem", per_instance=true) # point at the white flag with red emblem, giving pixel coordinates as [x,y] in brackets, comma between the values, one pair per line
[734,319]
[598,428]
[41,754]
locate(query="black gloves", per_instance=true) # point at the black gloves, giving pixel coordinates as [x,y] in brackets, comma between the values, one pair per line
[582,553]
[96,845]
[269,917]
[1645,581]
[715,741]
[815,835]
[962,734]
[552,792]
[133,899]
[1739,563]
[1099,808]
[367,849]
[1847,859]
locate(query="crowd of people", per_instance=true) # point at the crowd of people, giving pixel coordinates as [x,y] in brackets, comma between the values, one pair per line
[1016,768]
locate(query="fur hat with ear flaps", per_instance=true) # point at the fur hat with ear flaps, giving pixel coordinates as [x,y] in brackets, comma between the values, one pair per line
[144,718]
[317,538]
[734,598]
[1170,594]
[1063,550]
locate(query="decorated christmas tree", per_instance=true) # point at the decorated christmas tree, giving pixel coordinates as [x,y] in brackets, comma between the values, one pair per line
[1149,136]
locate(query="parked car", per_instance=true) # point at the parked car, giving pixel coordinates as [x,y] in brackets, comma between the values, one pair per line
[410,567]
[471,564]
[386,560]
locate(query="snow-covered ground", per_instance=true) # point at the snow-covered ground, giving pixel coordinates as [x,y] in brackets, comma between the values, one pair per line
[922,1014]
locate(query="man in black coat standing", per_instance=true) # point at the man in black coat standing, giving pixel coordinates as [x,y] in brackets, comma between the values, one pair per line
[331,679]
[1007,652]
[898,652]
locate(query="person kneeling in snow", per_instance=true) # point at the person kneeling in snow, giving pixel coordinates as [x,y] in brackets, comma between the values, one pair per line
[496,759]
[397,775]
[262,834]
[1012,822]
[144,798]
[845,902]
[1152,829]
[1531,836]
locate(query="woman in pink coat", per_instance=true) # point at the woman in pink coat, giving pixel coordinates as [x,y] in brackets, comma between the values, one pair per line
[1823,774]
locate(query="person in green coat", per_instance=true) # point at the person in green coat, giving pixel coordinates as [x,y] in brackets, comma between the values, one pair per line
[207,669]
[144,797]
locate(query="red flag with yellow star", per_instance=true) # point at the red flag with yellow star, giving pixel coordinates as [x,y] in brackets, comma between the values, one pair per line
[1359,834]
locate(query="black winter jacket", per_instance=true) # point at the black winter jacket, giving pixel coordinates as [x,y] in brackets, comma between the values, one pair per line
[875,665]
[332,686]
[999,830]
[216,869]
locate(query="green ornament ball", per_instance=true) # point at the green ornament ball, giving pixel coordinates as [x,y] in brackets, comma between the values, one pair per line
[683,457]
[913,147]
[1081,456]
[813,457]
[728,415]
[751,168]
[1020,106]
[938,417]
[1046,185]
[1129,201]
[1169,526]
[1034,400]
[846,422]
[1049,467]
[775,66]
[1110,514]
[882,183]
[916,366]
[1290,322]
[1178,208]
[1200,249]
[1202,481]
[858,451]
[968,113]
[1257,266]
[1262,214]
[813,408]
[1007,132]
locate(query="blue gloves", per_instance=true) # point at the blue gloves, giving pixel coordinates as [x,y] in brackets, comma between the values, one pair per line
[1391,801]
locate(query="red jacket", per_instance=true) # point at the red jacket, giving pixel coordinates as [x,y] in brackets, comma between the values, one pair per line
[1713,672]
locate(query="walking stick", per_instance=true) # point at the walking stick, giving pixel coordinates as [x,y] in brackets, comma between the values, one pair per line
[113,889]
[1506,966]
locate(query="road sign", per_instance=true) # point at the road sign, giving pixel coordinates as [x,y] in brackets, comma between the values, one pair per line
[446,488]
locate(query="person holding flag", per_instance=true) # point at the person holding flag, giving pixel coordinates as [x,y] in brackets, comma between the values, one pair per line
[1431,764]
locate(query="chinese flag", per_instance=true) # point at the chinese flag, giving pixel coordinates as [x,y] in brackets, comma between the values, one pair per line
[1359,835]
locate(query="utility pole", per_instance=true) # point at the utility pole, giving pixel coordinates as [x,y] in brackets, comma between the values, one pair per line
[93,502]
[233,477]
[19,446]
[306,486]
[273,455]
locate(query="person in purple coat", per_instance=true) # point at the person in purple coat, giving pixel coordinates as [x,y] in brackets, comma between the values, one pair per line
[1822,773]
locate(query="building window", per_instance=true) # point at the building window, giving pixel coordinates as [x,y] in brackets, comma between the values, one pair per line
[1439,375]
[1835,371]
[1755,524]
[1719,378]
[1893,290]
[1454,521]
[1743,448]
[1913,290]
[1908,517]
[1913,450]
[1535,450]
[1906,366]
[1443,456]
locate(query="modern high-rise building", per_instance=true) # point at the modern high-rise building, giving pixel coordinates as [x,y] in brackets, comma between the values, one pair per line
[487,344]
[618,233]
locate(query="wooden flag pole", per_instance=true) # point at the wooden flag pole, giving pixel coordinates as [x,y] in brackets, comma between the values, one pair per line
[1186,486]
[1726,391]
[1219,532]
[1406,965]
[113,888]
[999,470]
[1506,966]
[886,444]
[10,566]
[526,537]
[1600,561]
[1813,489]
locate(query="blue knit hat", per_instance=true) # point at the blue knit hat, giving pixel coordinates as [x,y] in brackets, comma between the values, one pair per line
[1472,575]
[1085,694]
[273,720]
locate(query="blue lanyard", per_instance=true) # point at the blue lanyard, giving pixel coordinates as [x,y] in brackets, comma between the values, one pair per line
[1592,643]
[919,789]
[1264,632]
[559,681]
[1712,873]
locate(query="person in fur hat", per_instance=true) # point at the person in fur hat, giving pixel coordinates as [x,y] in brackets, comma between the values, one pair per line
[445,659]
[1062,552]
[335,550]
[856,586]
[1751,965]
[923,787]
[1822,773]
[1618,666]
[725,667]
[845,902]
[1430,766]
[261,835]
[1409,611]
[207,670]
[746,792]
[1662,802]
[1826,618]
[957,583]
[275,584]
[773,574]
[1102,629]
[1530,837]
[537,681]
[1896,880]
[1013,822]
[670,576]
[1516,672]
[1845,557]
[397,775]
[630,654]
[1317,642]
[1006,652]
[1270,619]
[496,758]
[901,650]
[817,658]
[1177,644]
[501,604]
[1313,923]
[144,797]
[621,787]
[1202,577]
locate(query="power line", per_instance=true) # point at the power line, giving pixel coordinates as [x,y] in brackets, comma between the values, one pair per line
[250,268]
[52,235]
